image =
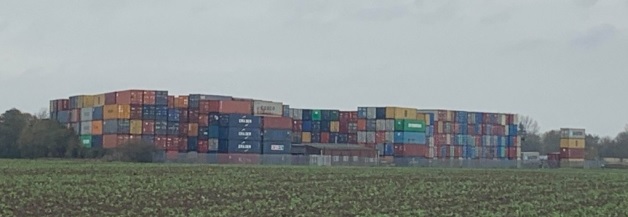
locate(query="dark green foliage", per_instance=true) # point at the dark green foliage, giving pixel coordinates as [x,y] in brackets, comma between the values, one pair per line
[134,151]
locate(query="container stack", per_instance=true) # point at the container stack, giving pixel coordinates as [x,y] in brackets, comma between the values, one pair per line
[316,126]
[473,135]
[348,128]
[393,131]
[572,144]
[276,129]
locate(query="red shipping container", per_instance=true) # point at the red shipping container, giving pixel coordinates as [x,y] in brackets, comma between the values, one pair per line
[123,139]
[239,159]
[572,153]
[344,126]
[182,142]
[204,106]
[353,115]
[171,145]
[344,115]
[110,141]
[184,129]
[283,123]
[231,107]
[184,115]
[353,138]
[297,126]
[136,112]
[456,127]
[148,127]
[75,115]
[411,150]
[442,115]
[110,98]
[202,146]
[380,137]
[445,151]
[171,101]
[130,97]
[361,124]
[324,137]
[193,116]
[149,97]
[172,155]
[161,142]
[512,153]
[203,120]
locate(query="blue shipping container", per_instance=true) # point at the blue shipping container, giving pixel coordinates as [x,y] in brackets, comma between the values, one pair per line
[97,141]
[277,135]
[161,98]
[174,115]
[362,111]
[316,126]
[307,115]
[173,128]
[192,143]
[306,126]
[386,149]
[316,137]
[479,118]
[148,112]
[161,127]
[161,113]
[286,111]
[97,113]
[243,121]
[273,147]
[380,113]
[239,146]
[213,132]
[63,117]
[325,126]
[194,100]
[242,134]
[148,138]
[203,133]
[410,138]
[462,117]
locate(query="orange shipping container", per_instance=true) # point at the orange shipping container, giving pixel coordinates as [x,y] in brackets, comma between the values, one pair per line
[192,129]
[136,127]
[116,112]
[181,102]
[361,124]
[130,97]
[306,137]
[96,127]
[114,140]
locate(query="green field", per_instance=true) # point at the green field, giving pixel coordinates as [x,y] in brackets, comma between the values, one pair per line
[74,188]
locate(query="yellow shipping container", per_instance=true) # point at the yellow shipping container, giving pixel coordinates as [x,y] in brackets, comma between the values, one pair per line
[306,137]
[99,100]
[88,101]
[400,113]
[116,112]
[421,117]
[136,127]
[572,143]
[334,126]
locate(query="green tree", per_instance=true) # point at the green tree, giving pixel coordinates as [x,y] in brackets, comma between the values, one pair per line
[12,122]
[551,141]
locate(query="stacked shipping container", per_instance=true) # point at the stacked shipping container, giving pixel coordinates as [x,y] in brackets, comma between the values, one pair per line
[473,135]
[572,144]
[223,124]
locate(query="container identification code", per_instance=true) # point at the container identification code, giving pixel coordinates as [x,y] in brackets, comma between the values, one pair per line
[244,134]
[277,147]
[244,146]
[415,125]
[245,121]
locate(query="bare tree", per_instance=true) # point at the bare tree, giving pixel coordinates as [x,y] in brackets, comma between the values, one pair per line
[42,114]
[529,125]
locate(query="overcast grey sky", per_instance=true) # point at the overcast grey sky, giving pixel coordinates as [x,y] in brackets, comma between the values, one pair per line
[562,62]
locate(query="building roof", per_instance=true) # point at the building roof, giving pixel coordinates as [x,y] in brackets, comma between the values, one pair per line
[334,146]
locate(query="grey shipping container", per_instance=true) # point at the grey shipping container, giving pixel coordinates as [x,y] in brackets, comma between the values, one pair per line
[370,137]
[362,137]
[381,125]
[389,125]
[390,137]
[86,128]
[371,125]
[296,114]
[87,114]
[371,113]
[76,127]
[213,145]
[117,126]
[286,111]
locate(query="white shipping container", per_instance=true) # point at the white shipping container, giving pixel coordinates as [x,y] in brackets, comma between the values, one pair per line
[431,142]
[266,108]
[87,114]
[503,119]
[371,113]
[361,137]
[430,151]
[370,137]
[380,125]
[390,126]
[296,114]
[516,119]
[86,128]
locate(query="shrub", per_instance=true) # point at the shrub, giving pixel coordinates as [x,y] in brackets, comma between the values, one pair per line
[134,151]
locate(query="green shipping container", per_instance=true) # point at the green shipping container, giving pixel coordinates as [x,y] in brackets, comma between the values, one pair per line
[316,115]
[335,115]
[86,141]
[405,125]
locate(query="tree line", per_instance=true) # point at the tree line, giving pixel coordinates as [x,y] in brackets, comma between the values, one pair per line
[596,147]
[23,135]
